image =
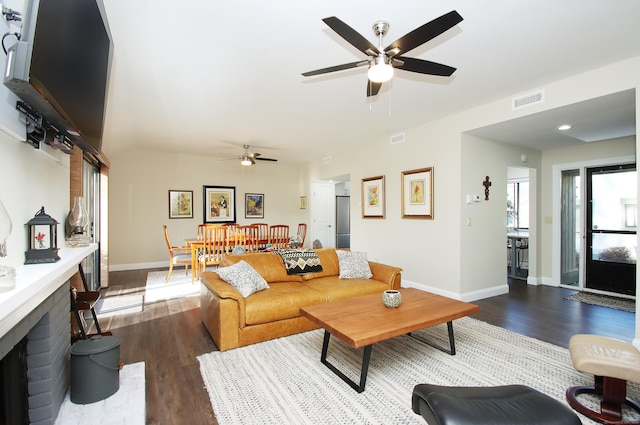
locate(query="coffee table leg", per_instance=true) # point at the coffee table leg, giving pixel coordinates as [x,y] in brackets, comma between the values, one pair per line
[452,341]
[366,357]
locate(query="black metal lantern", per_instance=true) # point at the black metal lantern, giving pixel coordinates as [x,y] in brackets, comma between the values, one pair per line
[42,235]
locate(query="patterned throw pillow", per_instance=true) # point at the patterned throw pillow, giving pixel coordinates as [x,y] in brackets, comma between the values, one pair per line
[353,265]
[243,277]
[300,261]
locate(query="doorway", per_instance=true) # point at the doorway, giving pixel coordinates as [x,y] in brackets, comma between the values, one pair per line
[518,218]
[597,207]
[330,212]
[611,223]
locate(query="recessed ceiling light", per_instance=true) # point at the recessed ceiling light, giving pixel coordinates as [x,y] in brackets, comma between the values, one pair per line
[564,127]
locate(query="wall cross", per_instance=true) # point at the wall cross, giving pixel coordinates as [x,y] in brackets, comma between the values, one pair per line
[486,183]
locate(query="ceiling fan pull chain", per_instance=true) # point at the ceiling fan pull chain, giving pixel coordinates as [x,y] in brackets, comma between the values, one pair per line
[389,96]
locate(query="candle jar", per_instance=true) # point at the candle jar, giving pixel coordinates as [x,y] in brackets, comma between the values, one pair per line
[391,298]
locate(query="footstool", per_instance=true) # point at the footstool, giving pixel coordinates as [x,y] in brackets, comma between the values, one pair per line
[613,363]
[501,405]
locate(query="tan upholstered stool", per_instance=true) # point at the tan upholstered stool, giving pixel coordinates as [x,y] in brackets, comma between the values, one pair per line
[613,363]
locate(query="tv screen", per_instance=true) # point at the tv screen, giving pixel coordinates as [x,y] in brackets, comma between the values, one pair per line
[60,67]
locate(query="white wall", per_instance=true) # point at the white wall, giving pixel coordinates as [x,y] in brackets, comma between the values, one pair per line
[29,180]
[139,181]
[445,255]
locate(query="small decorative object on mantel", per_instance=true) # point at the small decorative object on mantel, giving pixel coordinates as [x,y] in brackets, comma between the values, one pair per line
[391,298]
[487,184]
[7,273]
[77,221]
[42,239]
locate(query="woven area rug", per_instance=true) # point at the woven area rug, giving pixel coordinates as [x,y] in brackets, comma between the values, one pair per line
[283,382]
[178,286]
[604,301]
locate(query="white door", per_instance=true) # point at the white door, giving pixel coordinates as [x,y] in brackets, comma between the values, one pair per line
[323,213]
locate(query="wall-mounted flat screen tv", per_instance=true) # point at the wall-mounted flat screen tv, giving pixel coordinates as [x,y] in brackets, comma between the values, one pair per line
[60,67]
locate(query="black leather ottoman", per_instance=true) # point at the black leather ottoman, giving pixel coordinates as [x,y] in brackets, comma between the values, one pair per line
[502,405]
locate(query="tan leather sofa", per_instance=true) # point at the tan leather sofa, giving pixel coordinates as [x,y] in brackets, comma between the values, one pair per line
[234,321]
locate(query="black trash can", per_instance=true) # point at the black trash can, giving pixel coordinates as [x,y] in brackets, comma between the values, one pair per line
[95,369]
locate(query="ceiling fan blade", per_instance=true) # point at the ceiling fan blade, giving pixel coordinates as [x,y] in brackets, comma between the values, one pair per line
[373,88]
[334,68]
[352,36]
[426,32]
[266,159]
[424,67]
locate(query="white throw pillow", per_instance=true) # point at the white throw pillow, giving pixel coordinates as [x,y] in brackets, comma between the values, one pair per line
[243,277]
[353,265]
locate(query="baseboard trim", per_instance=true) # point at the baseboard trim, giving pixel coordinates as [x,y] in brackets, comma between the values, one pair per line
[467,296]
[140,266]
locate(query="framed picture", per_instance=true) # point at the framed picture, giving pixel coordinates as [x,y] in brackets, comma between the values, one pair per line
[417,193]
[303,202]
[253,205]
[373,205]
[219,204]
[180,204]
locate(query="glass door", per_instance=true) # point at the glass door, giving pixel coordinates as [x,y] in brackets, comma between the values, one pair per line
[570,231]
[91,194]
[611,229]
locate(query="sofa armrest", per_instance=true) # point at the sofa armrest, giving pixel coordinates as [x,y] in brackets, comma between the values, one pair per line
[219,287]
[222,309]
[388,274]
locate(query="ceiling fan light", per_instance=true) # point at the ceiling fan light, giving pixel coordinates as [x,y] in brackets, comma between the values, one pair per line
[246,161]
[381,71]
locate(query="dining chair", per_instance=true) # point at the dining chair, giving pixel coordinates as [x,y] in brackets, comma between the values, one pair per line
[302,232]
[246,237]
[178,255]
[279,236]
[214,244]
[263,234]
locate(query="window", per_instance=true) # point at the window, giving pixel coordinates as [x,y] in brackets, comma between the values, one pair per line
[518,204]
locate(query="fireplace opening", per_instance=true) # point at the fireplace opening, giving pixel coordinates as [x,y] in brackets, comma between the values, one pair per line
[14,398]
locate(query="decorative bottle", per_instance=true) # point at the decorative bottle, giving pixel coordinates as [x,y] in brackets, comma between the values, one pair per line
[7,273]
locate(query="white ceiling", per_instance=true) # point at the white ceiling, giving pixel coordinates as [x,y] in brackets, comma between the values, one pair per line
[206,77]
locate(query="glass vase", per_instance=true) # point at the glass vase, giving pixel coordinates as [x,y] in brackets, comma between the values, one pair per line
[77,224]
[7,273]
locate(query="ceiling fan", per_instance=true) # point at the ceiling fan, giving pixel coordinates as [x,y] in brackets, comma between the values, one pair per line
[249,158]
[382,61]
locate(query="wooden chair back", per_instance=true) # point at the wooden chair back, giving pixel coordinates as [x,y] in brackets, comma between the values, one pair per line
[262,230]
[247,238]
[214,244]
[177,254]
[302,232]
[279,236]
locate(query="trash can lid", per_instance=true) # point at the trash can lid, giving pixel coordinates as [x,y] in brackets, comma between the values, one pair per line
[96,344]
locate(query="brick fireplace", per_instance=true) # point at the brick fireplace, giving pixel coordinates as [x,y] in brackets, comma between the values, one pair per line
[38,310]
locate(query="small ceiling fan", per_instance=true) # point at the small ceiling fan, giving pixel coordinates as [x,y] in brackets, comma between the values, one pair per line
[383,60]
[249,158]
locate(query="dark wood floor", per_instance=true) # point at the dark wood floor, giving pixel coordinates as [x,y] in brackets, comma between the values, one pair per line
[168,336]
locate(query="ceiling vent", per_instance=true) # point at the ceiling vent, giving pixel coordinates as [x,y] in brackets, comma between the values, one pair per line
[398,138]
[528,99]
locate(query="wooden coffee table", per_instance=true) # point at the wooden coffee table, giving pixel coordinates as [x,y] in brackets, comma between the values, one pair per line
[363,321]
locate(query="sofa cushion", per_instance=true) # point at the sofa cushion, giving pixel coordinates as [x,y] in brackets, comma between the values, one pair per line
[243,277]
[329,261]
[353,265]
[282,301]
[300,261]
[267,264]
[338,289]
